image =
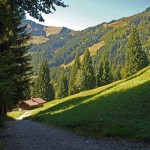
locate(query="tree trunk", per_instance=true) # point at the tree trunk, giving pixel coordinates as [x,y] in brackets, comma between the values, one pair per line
[3,109]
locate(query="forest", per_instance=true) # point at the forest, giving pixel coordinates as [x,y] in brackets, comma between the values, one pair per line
[92,82]
[111,62]
[36,70]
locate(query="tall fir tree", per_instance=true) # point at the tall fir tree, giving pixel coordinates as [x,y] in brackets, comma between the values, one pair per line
[44,89]
[88,76]
[73,87]
[15,69]
[104,75]
[62,87]
[135,58]
[78,81]
[35,88]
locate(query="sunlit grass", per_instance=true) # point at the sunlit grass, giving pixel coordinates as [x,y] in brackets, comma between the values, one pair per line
[15,114]
[92,49]
[120,109]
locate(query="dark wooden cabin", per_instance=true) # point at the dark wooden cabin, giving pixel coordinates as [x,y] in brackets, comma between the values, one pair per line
[32,103]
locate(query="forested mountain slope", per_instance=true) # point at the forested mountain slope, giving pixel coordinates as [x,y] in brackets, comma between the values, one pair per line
[61,44]
[116,39]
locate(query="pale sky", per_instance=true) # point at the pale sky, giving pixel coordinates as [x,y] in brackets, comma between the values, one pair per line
[82,14]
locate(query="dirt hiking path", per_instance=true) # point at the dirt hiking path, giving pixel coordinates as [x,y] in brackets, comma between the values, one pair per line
[29,135]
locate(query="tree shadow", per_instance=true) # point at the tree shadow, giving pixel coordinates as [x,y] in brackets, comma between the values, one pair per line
[117,114]
[73,102]
[116,83]
[77,101]
[4,119]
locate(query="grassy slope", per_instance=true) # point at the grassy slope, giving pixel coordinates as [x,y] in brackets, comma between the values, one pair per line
[120,109]
[50,30]
[92,49]
[15,114]
[38,40]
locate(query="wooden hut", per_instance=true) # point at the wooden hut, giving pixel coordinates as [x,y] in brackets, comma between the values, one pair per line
[39,101]
[32,103]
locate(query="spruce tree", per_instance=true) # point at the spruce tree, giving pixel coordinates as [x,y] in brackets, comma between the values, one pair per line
[135,58]
[62,87]
[35,88]
[104,75]
[88,76]
[73,88]
[36,8]
[78,81]
[44,86]
[15,69]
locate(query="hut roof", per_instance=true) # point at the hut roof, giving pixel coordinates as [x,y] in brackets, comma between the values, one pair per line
[30,103]
[38,100]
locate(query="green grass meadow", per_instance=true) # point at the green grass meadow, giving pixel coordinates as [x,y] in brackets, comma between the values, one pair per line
[120,110]
[15,114]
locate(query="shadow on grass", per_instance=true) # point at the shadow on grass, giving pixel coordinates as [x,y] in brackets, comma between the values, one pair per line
[4,119]
[74,102]
[119,114]
[112,85]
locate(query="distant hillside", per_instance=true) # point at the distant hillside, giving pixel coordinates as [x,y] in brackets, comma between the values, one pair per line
[92,49]
[116,39]
[60,45]
[41,33]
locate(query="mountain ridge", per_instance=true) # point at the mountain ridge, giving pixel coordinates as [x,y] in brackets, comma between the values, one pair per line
[61,48]
[40,33]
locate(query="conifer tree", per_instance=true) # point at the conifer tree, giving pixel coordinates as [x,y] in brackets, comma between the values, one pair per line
[135,58]
[73,88]
[104,75]
[15,69]
[78,81]
[62,87]
[88,76]
[35,88]
[44,87]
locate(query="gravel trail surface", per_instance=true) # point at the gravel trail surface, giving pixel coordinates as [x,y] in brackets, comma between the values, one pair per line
[29,135]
